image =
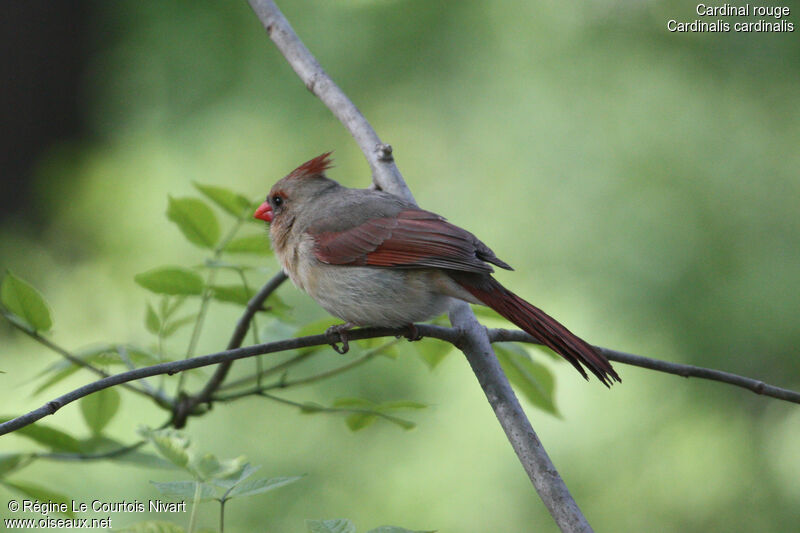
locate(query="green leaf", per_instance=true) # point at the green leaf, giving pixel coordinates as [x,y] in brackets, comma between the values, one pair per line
[208,466]
[533,380]
[171,280]
[251,244]
[400,404]
[195,219]
[230,481]
[25,302]
[371,412]
[136,355]
[103,444]
[152,526]
[386,349]
[12,461]
[177,324]
[181,490]
[231,202]
[169,305]
[216,263]
[101,355]
[405,424]
[359,421]
[257,486]
[316,327]
[171,444]
[63,369]
[486,312]
[338,525]
[151,320]
[99,408]
[308,408]
[277,307]
[395,529]
[135,457]
[353,402]
[236,294]
[432,351]
[55,439]
[35,492]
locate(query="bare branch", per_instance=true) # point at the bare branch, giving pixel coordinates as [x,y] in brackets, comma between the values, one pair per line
[686,371]
[283,383]
[379,155]
[452,335]
[323,409]
[156,396]
[173,367]
[541,471]
[253,306]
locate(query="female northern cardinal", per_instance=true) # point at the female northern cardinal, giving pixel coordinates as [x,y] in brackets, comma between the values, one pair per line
[373,259]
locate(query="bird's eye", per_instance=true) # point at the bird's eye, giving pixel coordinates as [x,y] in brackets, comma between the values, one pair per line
[277,200]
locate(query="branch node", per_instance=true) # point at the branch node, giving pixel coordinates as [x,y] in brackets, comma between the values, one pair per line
[311,84]
[460,338]
[53,406]
[384,152]
[180,413]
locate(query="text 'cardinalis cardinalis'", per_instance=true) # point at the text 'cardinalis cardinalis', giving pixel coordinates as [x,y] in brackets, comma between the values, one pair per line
[373,259]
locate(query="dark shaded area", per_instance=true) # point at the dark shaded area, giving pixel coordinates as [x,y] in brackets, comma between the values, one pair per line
[44,54]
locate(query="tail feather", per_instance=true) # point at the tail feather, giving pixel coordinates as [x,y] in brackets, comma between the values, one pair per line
[540,325]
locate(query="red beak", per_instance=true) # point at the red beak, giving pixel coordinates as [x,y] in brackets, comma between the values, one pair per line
[264,212]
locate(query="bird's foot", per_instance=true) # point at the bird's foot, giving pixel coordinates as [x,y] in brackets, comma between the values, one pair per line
[413,333]
[338,333]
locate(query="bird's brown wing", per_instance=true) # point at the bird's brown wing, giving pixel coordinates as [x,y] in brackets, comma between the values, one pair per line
[411,239]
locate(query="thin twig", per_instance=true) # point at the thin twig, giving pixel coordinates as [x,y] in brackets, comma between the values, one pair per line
[286,383]
[267,371]
[678,369]
[110,454]
[173,367]
[451,335]
[208,293]
[322,409]
[160,399]
[204,396]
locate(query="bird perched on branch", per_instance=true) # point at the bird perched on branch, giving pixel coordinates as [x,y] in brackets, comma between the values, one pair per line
[373,259]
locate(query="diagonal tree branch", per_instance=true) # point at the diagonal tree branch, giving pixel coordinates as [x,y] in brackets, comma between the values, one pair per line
[379,156]
[541,470]
[476,347]
[158,397]
[184,408]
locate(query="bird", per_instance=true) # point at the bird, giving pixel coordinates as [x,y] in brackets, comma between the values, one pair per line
[372,258]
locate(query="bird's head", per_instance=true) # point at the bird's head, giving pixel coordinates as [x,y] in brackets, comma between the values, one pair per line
[291,195]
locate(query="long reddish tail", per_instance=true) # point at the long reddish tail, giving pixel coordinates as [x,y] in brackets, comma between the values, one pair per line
[538,324]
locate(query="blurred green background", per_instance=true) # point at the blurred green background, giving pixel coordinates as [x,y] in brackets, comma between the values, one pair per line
[644,184]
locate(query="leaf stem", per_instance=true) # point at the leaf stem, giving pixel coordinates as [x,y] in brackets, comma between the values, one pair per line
[313,408]
[206,298]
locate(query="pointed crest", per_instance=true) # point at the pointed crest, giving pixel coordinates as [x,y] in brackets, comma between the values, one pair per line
[313,167]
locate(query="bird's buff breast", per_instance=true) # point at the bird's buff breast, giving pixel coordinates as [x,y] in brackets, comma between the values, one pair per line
[369,296]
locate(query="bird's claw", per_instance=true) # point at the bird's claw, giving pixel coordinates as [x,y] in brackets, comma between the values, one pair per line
[338,333]
[413,333]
